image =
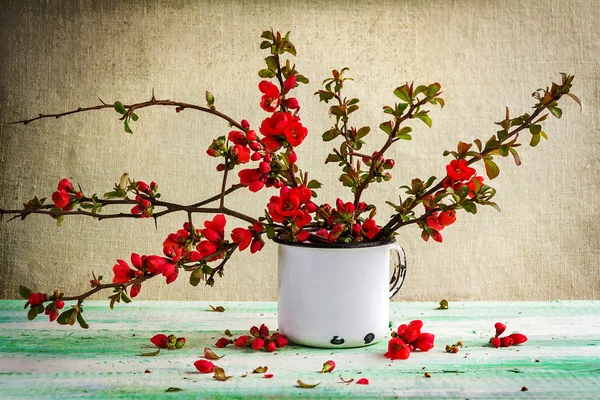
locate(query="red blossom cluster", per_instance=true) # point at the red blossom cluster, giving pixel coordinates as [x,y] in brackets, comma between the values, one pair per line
[144,193]
[36,302]
[65,195]
[170,342]
[259,338]
[514,338]
[293,206]
[345,219]
[409,338]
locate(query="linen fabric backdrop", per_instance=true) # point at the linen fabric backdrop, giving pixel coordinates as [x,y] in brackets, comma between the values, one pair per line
[60,55]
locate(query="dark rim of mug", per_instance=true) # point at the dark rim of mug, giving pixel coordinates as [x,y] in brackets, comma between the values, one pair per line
[335,245]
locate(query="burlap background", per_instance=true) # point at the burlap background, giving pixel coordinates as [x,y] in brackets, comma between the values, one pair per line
[59,55]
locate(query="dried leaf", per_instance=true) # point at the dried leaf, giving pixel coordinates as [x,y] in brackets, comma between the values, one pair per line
[443,305]
[307,386]
[173,389]
[260,370]
[210,355]
[347,382]
[227,332]
[217,309]
[245,375]
[154,353]
[220,374]
[427,375]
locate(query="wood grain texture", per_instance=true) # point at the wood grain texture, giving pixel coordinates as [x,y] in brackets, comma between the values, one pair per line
[42,360]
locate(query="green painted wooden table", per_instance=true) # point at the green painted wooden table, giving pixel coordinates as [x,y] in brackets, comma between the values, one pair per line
[43,360]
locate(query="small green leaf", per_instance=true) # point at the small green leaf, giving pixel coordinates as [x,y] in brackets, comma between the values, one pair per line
[24,292]
[119,107]
[557,112]
[404,133]
[126,126]
[32,313]
[267,35]
[386,127]
[535,139]
[196,276]
[424,117]
[81,321]
[402,93]
[265,45]
[470,207]
[266,73]
[271,62]
[133,116]
[125,298]
[67,318]
[313,184]
[330,135]
[333,158]
[535,129]
[491,168]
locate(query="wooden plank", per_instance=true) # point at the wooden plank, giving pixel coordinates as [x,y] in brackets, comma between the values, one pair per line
[43,360]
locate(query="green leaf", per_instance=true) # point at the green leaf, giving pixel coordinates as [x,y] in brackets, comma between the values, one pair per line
[424,117]
[119,107]
[67,318]
[313,184]
[271,62]
[301,79]
[196,276]
[333,158]
[24,292]
[125,298]
[362,132]
[433,89]
[535,139]
[265,45]
[404,133]
[557,112]
[126,125]
[266,73]
[270,232]
[386,127]
[535,129]
[470,207]
[504,150]
[133,116]
[81,321]
[491,168]
[402,93]
[173,389]
[60,219]
[32,313]
[267,35]
[515,156]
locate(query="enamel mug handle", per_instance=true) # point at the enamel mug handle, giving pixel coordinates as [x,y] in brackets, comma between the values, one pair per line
[399,269]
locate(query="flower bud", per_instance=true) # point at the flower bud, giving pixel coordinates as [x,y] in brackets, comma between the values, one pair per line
[53,314]
[506,341]
[518,338]
[280,341]
[328,366]
[221,167]
[251,136]
[256,245]
[59,304]
[160,340]
[388,164]
[37,298]
[211,152]
[292,157]
[270,347]
[264,167]
[255,146]
[257,227]
[179,343]
[223,342]
[263,330]
[254,331]
[243,341]
[500,328]
[245,124]
[258,344]
[255,156]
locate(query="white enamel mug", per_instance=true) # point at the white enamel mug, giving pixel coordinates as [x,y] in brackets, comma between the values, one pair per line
[334,297]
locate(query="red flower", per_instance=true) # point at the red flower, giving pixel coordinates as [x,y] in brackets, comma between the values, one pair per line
[425,341]
[257,245]
[241,236]
[496,342]
[241,153]
[362,381]
[436,235]
[215,229]
[253,178]
[204,366]
[65,185]
[507,341]
[370,227]
[155,264]
[135,289]
[447,217]
[434,223]
[258,344]
[397,349]
[459,170]
[295,133]
[61,199]
[123,273]
[270,100]
[280,340]
[302,236]
[289,83]
[36,299]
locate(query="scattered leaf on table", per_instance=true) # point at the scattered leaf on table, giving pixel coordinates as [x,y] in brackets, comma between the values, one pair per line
[515,370]
[217,308]
[210,355]
[347,382]
[245,375]
[220,374]
[154,353]
[260,370]
[173,389]
[307,386]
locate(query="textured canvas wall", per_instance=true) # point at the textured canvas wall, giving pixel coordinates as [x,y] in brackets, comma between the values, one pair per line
[60,55]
